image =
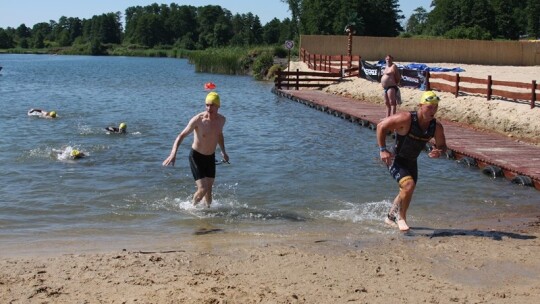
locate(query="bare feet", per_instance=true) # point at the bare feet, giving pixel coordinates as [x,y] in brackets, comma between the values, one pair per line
[402,225]
[390,221]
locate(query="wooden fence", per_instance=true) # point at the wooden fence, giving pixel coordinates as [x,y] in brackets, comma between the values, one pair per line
[456,84]
[347,66]
[517,53]
[299,79]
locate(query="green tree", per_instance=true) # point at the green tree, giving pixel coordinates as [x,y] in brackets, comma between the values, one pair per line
[370,17]
[295,7]
[212,20]
[182,24]
[38,40]
[479,18]
[272,31]
[417,21]
[6,41]
[533,18]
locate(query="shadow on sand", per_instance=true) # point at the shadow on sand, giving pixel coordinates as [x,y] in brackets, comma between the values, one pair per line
[495,235]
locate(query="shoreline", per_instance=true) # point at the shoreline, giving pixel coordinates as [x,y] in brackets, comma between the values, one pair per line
[461,266]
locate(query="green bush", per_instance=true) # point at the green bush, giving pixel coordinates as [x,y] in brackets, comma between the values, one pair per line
[475,33]
[280,52]
[221,61]
[272,71]
[261,65]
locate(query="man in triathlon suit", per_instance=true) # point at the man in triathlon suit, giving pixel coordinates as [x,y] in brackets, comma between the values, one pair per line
[390,81]
[413,131]
[208,129]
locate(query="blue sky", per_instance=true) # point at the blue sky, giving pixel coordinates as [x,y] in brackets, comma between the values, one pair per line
[15,12]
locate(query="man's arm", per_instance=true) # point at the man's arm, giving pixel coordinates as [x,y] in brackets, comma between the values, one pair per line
[397,75]
[187,130]
[440,142]
[221,143]
[398,122]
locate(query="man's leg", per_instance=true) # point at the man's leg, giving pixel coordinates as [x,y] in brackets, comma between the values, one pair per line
[387,102]
[392,100]
[404,198]
[209,183]
[201,191]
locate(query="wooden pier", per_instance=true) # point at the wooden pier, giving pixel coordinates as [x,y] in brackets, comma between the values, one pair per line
[495,154]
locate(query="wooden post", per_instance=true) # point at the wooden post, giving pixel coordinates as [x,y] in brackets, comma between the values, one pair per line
[457,86]
[359,64]
[341,65]
[428,87]
[533,97]
[349,48]
[489,89]
[297,79]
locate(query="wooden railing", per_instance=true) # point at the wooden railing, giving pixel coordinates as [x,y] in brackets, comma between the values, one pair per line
[346,66]
[459,84]
[297,79]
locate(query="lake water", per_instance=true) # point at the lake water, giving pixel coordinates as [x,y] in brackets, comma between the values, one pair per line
[294,170]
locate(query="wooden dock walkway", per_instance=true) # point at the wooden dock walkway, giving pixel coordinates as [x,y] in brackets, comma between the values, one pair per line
[493,153]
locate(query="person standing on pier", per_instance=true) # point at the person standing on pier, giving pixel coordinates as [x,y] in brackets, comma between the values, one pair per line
[413,131]
[390,81]
[208,129]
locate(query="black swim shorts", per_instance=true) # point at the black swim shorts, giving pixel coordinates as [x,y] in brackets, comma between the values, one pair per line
[402,168]
[202,165]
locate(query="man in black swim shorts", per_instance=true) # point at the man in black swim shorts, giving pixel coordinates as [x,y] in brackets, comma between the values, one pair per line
[208,134]
[202,165]
[413,131]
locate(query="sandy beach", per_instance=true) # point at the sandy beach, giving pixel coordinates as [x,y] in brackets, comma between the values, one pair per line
[493,262]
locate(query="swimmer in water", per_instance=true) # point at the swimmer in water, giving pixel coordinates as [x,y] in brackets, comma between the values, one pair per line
[122,128]
[41,113]
[76,154]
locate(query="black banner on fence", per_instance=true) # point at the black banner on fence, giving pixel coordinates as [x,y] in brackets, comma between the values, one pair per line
[409,78]
[412,78]
[370,72]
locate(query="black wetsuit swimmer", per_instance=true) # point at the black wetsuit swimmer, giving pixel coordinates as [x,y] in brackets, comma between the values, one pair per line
[202,165]
[408,147]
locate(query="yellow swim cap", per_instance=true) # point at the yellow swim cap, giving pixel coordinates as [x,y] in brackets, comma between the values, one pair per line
[429,98]
[75,153]
[122,126]
[52,114]
[213,98]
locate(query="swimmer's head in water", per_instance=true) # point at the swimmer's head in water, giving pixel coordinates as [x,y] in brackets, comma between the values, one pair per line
[122,126]
[429,98]
[52,114]
[213,98]
[75,153]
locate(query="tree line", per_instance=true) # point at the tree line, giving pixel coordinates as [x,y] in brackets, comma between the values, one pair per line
[181,26]
[477,19]
[196,28]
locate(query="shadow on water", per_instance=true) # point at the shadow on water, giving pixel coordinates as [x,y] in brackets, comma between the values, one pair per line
[495,235]
[244,213]
[204,231]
